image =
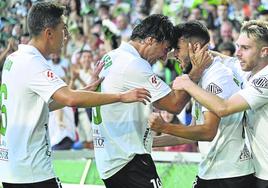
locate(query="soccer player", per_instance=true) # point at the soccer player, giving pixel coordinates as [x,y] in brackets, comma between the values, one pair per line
[252,52]
[217,137]
[29,91]
[122,138]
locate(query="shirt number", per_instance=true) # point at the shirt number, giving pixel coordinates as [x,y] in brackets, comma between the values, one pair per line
[3,123]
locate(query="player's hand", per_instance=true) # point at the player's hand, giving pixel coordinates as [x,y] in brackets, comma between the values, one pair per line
[201,59]
[95,80]
[156,122]
[135,95]
[94,85]
[181,82]
[97,69]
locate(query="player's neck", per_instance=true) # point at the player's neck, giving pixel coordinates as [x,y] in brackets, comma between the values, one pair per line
[140,47]
[259,67]
[40,46]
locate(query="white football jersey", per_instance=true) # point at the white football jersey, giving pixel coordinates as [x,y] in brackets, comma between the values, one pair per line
[120,130]
[228,154]
[256,95]
[27,87]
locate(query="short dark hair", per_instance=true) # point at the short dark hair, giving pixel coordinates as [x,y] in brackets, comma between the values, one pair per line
[227,46]
[85,51]
[192,29]
[157,26]
[43,15]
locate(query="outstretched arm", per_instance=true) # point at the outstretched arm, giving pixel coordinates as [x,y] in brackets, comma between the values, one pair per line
[221,107]
[67,97]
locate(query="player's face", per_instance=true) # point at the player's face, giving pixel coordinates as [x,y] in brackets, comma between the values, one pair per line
[248,52]
[59,36]
[182,55]
[157,51]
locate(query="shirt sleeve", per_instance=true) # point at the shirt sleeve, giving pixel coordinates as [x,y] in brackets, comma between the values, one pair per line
[45,82]
[140,75]
[256,92]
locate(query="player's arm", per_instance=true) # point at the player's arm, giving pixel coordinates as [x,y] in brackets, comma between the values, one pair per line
[55,106]
[170,140]
[67,97]
[174,102]
[222,107]
[204,132]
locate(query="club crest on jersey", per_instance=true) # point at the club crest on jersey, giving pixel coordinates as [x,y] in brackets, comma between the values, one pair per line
[51,76]
[213,88]
[261,82]
[155,81]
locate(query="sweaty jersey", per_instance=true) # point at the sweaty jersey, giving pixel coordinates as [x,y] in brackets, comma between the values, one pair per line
[228,154]
[256,95]
[27,86]
[120,130]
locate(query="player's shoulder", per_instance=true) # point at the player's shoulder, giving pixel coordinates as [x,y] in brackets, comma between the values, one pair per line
[216,69]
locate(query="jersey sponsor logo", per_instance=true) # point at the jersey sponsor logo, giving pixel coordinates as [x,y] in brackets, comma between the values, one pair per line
[3,154]
[51,76]
[213,88]
[155,81]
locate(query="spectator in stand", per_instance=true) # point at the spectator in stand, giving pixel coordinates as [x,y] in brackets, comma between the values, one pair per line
[24,38]
[226,30]
[227,48]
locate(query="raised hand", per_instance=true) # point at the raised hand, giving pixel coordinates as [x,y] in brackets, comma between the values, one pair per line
[95,80]
[201,58]
[97,69]
[180,83]
[156,122]
[135,95]
[93,85]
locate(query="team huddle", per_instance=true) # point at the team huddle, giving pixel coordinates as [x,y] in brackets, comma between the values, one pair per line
[229,94]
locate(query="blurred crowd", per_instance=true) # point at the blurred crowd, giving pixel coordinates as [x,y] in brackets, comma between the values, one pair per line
[98,26]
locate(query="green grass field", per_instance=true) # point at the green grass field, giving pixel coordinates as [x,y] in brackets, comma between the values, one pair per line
[173,175]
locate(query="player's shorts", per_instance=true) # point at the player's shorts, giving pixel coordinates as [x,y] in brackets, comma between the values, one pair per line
[51,183]
[261,183]
[236,182]
[140,172]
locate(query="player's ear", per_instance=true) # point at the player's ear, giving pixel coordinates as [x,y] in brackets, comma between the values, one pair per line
[48,32]
[264,51]
[196,46]
[149,40]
